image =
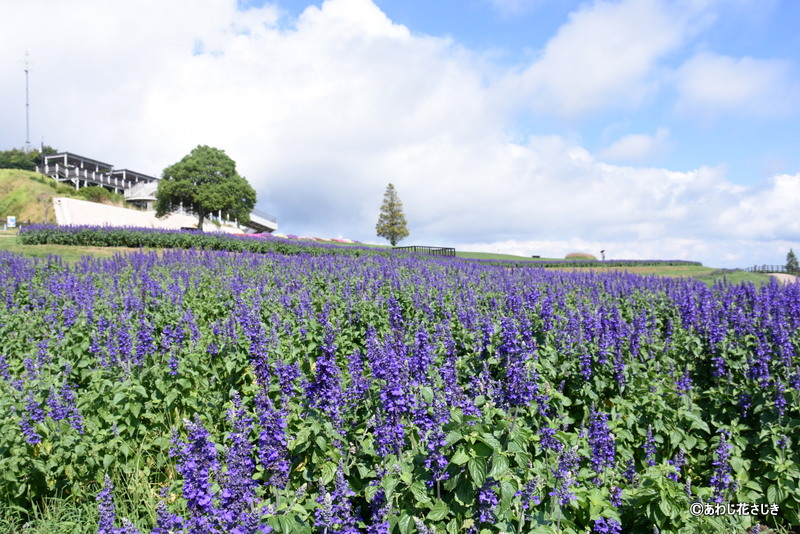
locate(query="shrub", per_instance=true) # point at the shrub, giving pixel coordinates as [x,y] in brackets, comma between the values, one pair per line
[94,194]
[580,256]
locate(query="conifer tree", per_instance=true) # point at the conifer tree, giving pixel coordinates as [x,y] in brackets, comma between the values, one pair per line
[392,222]
[791,262]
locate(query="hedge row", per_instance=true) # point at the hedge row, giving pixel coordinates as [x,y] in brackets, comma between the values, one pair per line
[107,236]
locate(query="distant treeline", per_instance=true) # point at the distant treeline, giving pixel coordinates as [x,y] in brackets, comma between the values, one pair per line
[19,159]
[556,264]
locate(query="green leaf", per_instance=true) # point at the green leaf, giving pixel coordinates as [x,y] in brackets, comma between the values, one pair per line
[363,470]
[453,437]
[389,484]
[438,512]
[460,457]
[465,492]
[780,495]
[477,470]
[522,459]
[328,472]
[481,449]
[499,465]
[666,508]
[491,441]
[405,523]
[420,492]
[507,493]
[772,494]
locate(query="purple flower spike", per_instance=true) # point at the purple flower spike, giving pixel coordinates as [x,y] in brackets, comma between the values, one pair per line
[607,526]
[487,501]
[272,440]
[677,462]
[335,514]
[197,461]
[238,487]
[722,479]
[602,442]
[650,447]
[105,506]
[568,463]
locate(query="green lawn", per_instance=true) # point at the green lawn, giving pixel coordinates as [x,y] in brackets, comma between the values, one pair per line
[68,253]
[706,274]
[493,256]
[72,254]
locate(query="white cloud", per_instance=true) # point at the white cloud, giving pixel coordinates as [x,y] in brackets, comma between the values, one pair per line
[320,116]
[606,55]
[636,148]
[767,214]
[710,83]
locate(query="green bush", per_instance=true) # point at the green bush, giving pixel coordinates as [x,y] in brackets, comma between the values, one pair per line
[94,193]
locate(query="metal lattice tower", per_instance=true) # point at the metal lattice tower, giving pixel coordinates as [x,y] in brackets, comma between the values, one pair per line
[27,108]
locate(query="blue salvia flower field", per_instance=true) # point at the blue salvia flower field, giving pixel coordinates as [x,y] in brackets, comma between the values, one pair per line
[332,393]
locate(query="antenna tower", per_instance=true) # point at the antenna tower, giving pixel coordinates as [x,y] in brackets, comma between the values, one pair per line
[27,109]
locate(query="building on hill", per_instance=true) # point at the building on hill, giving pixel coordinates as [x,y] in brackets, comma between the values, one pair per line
[139,189]
[65,167]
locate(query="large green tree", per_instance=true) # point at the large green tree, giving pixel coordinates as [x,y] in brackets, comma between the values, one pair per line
[392,222]
[205,182]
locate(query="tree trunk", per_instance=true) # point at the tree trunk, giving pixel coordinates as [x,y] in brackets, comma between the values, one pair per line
[200,223]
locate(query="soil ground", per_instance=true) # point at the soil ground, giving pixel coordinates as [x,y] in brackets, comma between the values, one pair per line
[784,278]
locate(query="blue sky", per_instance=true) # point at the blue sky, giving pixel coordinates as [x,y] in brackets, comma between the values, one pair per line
[648,128]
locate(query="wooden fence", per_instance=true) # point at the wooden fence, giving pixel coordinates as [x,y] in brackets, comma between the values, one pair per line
[767,269]
[436,251]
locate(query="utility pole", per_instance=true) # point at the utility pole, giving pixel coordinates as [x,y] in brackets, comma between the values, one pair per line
[27,109]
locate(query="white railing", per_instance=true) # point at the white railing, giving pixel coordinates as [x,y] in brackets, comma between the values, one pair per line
[142,191]
[256,219]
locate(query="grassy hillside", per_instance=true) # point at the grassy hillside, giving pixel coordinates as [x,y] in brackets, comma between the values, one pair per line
[493,256]
[706,274]
[70,254]
[29,196]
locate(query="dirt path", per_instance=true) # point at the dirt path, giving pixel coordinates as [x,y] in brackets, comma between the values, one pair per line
[784,278]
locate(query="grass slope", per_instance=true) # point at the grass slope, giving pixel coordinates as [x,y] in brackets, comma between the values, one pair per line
[27,195]
[68,253]
[493,256]
[705,274]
